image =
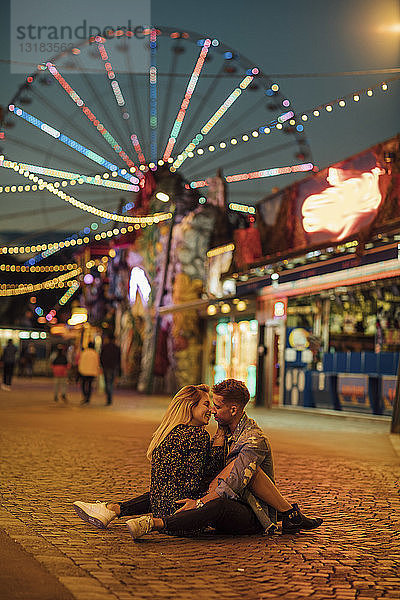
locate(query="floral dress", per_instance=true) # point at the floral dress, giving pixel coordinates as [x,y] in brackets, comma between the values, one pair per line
[181,467]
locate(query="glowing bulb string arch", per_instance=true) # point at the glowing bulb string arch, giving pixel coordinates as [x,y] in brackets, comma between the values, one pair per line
[150,219]
[290,117]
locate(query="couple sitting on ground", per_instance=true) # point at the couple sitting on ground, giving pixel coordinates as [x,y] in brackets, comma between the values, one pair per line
[226,483]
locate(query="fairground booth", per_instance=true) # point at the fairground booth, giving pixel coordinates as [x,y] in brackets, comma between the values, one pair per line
[308,310]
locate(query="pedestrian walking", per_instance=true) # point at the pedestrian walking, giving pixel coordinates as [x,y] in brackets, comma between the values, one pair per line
[8,358]
[110,358]
[60,366]
[88,368]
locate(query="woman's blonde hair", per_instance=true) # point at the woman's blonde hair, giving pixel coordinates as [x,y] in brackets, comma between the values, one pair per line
[179,412]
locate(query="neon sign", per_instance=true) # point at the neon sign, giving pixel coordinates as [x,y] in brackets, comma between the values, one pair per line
[345,207]
[139,283]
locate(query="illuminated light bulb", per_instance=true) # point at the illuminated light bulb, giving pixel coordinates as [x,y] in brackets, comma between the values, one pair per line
[241,305]
[384,87]
[369,92]
[211,148]
[254,133]
[274,276]
[245,138]
[151,165]
[211,309]
[170,160]
[274,87]
[114,173]
[356,97]
[342,103]
[106,175]
[225,308]
[328,108]
[222,145]
[162,196]
[279,125]
[142,167]
[199,151]
[316,113]
[161,162]
[233,141]
[267,130]
[304,117]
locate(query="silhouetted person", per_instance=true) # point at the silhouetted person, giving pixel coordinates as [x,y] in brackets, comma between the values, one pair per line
[110,358]
[59,366]
[8,358]
[89,368]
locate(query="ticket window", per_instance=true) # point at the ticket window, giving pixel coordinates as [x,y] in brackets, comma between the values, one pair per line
[236,352]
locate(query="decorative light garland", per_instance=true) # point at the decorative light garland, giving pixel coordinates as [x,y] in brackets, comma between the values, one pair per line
[37,269]
[28,288]
[75,285]
[153,95]
[186,100]
[277,123]
[255,175]
[220,250]
[69,178]
[69,142]
[88,113]
[157,217]
[219,113]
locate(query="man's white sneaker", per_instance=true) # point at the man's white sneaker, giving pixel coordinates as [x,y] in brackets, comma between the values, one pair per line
[97,513]
[140,526]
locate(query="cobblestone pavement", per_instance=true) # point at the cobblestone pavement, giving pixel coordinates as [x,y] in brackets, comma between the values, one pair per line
[344,470]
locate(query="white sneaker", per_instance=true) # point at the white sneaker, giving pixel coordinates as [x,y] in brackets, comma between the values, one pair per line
[6,388]
[97,513]
[140,526]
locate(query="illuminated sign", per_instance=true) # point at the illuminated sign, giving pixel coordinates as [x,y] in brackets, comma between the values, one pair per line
[139,283]
[350,204]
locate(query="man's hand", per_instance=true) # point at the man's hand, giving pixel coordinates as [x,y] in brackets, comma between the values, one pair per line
[188,504]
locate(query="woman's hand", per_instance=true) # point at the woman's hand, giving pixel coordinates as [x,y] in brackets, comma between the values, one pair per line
[188,504]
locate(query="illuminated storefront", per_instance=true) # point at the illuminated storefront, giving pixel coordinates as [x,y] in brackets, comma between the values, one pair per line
[236,352]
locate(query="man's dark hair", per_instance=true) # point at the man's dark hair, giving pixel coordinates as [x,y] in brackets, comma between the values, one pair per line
[232,391]
[90,345]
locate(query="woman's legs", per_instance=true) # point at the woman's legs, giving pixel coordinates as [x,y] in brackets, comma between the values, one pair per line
[260,484]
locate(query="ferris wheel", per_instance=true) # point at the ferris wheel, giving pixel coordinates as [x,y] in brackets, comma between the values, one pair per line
[88,136]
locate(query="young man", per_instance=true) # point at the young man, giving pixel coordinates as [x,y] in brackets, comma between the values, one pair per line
[232,504]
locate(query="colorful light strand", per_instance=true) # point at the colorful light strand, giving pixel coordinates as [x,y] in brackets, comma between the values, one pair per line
[219,113]
[153,95]
[74,287]
[119,97]
[88,113]
[255,175]
[186,100]
[77,203]
[68,141]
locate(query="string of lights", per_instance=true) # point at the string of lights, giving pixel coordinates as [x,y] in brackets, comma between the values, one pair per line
[255,175]
[89,114]
[69,179]
[153,95]
[186,100]
[74,287]
[278,124]
[150,219]
[46,128]
[28,288]
[219,113]
[119,97]
[37,269]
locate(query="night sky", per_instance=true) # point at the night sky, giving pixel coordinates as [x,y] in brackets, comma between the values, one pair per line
[294,37]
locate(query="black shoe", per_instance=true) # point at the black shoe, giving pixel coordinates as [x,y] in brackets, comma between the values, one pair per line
[65,399]
[294,521]
[84,401]
[55,399]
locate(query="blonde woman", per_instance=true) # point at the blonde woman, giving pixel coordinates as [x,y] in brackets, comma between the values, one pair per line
[183,461]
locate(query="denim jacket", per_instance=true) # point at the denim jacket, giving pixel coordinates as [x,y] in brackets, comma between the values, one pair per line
[249,447]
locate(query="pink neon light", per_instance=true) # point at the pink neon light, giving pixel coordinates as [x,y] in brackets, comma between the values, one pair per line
[185,102]
[138,149]
[346,207]
[258,174]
